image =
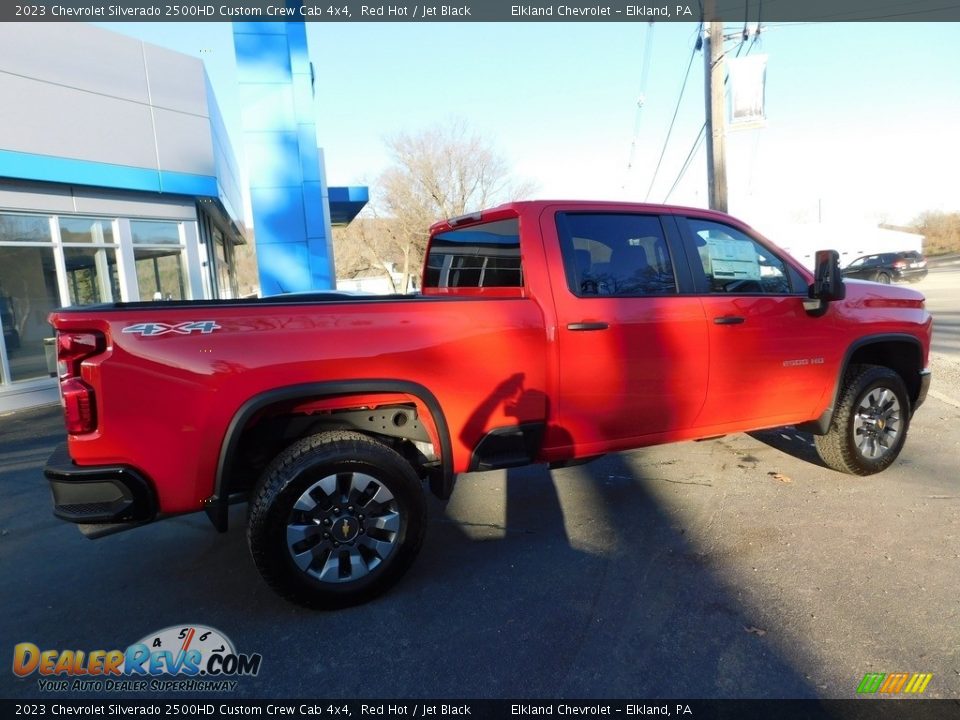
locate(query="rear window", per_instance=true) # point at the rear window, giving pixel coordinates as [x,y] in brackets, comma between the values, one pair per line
[615,254]
[484,255]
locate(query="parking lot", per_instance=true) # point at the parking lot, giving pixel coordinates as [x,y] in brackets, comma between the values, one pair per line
[738,567]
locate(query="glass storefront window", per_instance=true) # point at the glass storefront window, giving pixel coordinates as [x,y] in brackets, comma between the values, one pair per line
[159,273]
[223,267]
[86,230]
[159,268]
[148,232]
[24,228]
[91,275]
[28,292]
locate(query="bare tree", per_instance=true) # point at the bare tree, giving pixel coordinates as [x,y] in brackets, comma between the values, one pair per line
[437,173]
[941,229]
[366,248]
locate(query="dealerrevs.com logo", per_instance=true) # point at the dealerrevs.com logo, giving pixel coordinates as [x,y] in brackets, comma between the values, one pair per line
[188,658]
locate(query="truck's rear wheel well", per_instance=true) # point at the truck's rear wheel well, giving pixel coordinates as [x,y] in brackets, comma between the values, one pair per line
[902,356]
[329,404]
[277,428]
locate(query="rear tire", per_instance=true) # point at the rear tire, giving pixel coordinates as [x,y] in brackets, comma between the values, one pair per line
[336,519]
[882,278]
[870,423]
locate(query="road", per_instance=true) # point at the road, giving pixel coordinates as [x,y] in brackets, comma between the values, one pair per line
[942,288]
[738,567]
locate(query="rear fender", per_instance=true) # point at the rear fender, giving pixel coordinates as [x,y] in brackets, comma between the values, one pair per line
[326,396]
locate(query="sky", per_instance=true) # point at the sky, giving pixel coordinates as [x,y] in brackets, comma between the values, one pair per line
[862,118]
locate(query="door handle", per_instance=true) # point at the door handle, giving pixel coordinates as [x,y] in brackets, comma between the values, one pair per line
[728,320]
[587,326]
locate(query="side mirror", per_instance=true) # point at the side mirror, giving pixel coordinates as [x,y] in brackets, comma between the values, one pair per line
[827,279]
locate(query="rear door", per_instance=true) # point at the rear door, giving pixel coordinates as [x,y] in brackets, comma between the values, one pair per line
[864,268]
[632,355]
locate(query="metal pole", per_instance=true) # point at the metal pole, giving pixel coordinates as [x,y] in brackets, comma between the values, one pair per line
[714,98]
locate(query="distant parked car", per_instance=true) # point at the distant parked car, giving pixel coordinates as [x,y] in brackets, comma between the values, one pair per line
[888,267]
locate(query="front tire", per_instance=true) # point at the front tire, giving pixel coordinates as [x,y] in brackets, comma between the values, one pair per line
[336,519]
[870,423]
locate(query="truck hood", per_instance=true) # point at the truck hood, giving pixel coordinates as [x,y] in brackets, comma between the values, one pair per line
[870,294]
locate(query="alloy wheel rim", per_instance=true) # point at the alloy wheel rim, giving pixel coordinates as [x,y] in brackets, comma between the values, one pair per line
[876,423]
[343,527]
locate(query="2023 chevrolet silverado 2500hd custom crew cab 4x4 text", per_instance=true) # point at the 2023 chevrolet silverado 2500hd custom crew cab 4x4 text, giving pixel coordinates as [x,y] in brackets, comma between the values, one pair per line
[546,332]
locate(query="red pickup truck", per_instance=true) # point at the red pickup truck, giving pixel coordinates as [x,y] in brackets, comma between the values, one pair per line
[545,332]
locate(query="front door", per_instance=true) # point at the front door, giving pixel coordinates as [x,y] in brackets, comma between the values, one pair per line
[770,362]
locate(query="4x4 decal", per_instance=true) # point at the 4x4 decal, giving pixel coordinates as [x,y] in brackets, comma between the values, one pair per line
[152,329]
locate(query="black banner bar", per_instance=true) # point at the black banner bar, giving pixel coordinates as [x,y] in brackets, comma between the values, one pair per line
[478,11]
[218,708]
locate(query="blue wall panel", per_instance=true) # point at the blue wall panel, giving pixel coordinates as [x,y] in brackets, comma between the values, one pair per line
[276,83]
[284,267]
[46,168]
[280,218]
[274,160]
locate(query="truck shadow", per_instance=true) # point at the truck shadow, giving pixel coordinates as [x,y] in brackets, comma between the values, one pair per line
[589,589]
[791,441]
[563,584]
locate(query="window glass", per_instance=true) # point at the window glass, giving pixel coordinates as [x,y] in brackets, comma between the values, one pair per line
[159,273]
[615,254]
[735,263]
[486,255]
[86,230]
[24,228]
[149,232]
[226,277]
[91,275]
[28,293]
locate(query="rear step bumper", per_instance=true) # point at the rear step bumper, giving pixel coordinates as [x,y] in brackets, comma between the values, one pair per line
[99,494]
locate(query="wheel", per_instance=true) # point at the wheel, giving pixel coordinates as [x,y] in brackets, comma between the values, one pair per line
[870,422]
[882,278]
[336,520]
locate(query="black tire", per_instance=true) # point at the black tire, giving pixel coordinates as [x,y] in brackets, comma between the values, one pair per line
[345,474]
[882,278]
[873,405]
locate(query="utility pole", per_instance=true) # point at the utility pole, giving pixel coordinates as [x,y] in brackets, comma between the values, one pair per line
[714,97]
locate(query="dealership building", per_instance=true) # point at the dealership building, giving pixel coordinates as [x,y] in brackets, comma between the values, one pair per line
[118,181]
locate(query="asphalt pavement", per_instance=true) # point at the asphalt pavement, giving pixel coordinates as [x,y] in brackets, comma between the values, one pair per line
[738,567]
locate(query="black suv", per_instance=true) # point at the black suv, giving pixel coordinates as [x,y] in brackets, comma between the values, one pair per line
[887,267]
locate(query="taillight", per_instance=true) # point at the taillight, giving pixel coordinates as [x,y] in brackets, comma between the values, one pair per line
[79,405]
[73,348]
[900,264]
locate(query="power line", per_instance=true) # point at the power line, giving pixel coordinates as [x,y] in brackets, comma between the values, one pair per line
[759,25]
[644,73]
[676,110]
[701,134]
[686,163]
